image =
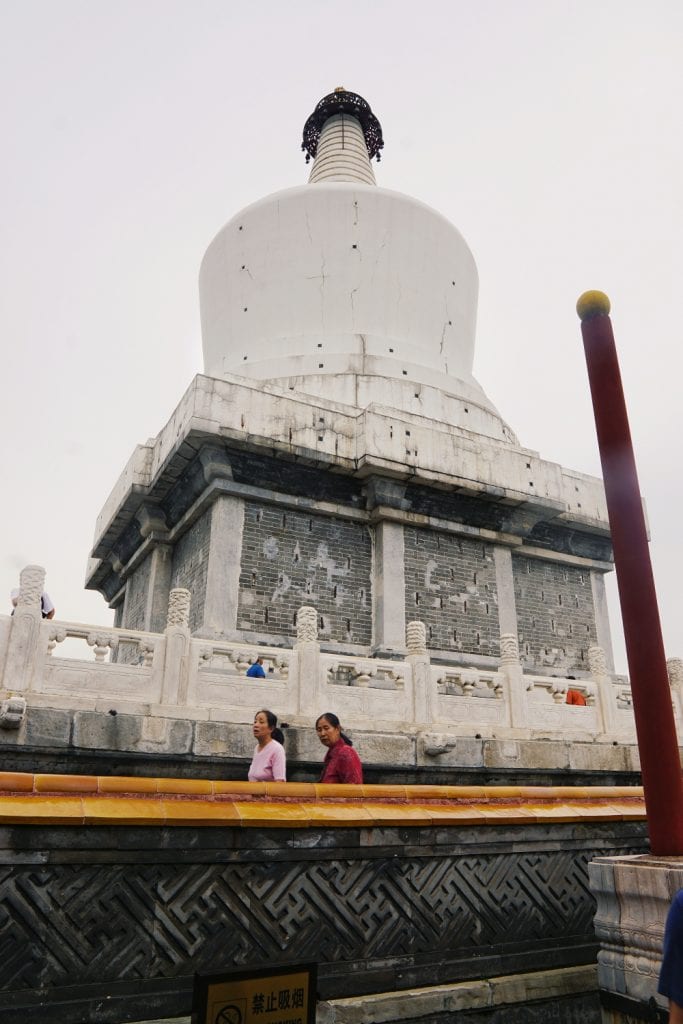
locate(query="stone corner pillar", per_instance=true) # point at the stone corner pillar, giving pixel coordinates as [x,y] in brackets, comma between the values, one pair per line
[598,666]
[161,568]
[223,570]
[602,627]
[24,656]
[307,649]
[174,683]
[511,668]
[505,586]
[424,690]
[674,669]
[388,588]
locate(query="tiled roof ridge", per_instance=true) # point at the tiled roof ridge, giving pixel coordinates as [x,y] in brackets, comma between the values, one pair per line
[27,798]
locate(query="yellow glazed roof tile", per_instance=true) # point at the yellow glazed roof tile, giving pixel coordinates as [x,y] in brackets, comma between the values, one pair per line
[42,810]
[454,814]
[424,792]
[500,792]
[65,783]
[550,811]
[460,793]
[199,812]
[349,815]
[629,810]
[398,814]
[15,782]
[126,784]
[506,814]
[274,815]
[227,788]
[541,792]
[124,810]
[348,790]
[595,810]
[195,787]
[291,790]
[385,792]
[72,799]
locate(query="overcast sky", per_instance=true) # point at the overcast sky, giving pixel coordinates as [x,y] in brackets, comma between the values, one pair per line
[549,133]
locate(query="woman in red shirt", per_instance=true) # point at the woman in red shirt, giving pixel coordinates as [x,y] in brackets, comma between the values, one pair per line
[342,763]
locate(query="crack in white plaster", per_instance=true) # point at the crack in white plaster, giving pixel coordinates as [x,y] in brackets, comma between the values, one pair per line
[353,308]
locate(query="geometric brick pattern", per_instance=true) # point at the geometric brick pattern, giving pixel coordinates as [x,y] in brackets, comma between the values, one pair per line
[450,585]
[555,614]
[66,924]
[190,566]
[292,558]
[136,595]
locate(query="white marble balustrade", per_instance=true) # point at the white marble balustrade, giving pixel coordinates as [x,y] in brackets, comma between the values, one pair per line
[173,674]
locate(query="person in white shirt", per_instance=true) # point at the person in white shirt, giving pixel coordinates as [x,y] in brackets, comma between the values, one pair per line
[46,606]
[269,763]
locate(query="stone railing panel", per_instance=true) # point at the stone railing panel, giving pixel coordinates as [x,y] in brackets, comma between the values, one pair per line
[374,674]
[470,696]
[198,679]
[366,688]
[235,660]
[547,707]
[218,680]
[98,677]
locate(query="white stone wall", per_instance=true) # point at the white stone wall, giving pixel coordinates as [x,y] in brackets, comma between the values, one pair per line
[425,714]
[241,411]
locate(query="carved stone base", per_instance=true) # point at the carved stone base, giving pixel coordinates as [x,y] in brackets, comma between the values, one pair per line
[633,895]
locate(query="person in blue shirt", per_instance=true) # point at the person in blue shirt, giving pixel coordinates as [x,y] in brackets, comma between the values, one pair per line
[671,974]
[257,669]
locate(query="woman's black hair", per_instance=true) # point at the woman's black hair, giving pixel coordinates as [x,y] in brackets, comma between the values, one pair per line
[271,718]
[336,724]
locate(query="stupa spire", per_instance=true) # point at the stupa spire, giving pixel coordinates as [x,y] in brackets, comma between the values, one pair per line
[342,135]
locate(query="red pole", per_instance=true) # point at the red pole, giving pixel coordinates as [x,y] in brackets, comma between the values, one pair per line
[655,726]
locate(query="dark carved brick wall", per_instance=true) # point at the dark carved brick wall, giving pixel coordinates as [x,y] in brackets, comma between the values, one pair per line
[134,609]
[451,587]
[290,559]
[190,565]
[132,913]
[555,614]
[459,508]
[136,595]
[571,542]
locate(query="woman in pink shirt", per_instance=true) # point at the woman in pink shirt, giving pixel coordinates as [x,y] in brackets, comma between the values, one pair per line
[342,763]
[269,763]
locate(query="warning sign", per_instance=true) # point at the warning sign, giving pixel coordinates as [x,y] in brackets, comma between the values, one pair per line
[276,995]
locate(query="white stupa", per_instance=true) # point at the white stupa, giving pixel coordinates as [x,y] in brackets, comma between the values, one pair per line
[345,290]
[338,452]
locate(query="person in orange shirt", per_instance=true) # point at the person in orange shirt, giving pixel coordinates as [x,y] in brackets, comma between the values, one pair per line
[576,697]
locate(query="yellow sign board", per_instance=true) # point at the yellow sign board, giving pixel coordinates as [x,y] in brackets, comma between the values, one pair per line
[275,995]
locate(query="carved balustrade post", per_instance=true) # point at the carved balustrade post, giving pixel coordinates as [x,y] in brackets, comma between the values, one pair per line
[674,669]
[607,699]
[308,682]
[24,655]
[511,668]
[174,683]
[424,690]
